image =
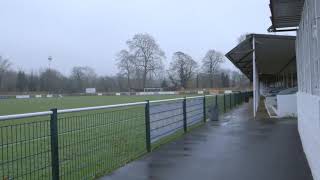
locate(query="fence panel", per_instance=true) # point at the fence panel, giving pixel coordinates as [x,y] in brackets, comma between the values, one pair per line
[25,149]
[166,118]
[232,101]
[195,111]
[238,100]
[228,102]
[97,142]
[210,103]
[221,103]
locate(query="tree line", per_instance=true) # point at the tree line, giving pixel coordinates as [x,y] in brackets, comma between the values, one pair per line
[142,63]
[140,66]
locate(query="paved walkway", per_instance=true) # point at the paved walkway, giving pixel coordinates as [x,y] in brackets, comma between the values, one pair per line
[237,148]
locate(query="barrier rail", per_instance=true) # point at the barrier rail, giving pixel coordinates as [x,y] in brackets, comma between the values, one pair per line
[85,143]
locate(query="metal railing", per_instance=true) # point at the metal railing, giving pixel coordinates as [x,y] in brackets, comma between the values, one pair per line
[85,143]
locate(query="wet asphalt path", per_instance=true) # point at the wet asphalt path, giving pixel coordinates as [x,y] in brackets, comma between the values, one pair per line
[237,148]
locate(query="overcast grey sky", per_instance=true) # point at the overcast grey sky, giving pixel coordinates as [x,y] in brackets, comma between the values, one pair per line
[91,32]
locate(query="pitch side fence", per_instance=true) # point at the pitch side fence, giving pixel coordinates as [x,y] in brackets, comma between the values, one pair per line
[85,143]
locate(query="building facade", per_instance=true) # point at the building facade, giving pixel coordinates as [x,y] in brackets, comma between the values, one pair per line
[308,64]
[304,16]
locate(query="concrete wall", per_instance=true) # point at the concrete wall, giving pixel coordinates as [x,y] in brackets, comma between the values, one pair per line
[308,66]
[309,129]
[287,105]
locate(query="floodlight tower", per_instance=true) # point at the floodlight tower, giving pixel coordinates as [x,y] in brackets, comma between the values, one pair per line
[50,60]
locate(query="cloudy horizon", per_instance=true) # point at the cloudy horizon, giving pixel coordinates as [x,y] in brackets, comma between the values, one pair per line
[90,33]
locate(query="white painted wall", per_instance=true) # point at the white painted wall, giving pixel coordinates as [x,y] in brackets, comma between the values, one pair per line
[287,105]
[309,129]
[22,96]
[156,93]
[91,90]
[308,66]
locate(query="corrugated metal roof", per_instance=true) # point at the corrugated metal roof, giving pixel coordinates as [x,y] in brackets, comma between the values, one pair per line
[273,53]
[285,14]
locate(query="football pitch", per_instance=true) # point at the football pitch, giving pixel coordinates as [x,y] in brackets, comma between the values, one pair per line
[91,143]
[18,106]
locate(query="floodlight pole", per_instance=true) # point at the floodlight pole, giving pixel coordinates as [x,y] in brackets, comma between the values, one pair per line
[50,60]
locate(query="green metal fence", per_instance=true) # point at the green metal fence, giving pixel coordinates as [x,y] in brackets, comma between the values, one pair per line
[86,143]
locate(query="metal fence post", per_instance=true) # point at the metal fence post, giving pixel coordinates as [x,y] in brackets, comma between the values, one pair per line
[230,101]
[54,144]
[236,99]
[216,100]
[204,109]
[185,114]
[148,134]
[241,97]
[224,103]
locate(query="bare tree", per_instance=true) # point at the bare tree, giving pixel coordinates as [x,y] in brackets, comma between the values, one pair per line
[238,79]
[4,67]
[33,81]
[126,65]
[9,81]
[211,63]
[107,84]
[182,68]
[51,80]
[242,37]
[22,81]
[83,77]
[147,53]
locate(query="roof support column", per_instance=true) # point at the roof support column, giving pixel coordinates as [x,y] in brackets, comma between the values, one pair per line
[255,97]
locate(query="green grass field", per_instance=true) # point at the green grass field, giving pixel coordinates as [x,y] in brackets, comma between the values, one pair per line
[16,106]
[91,143]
